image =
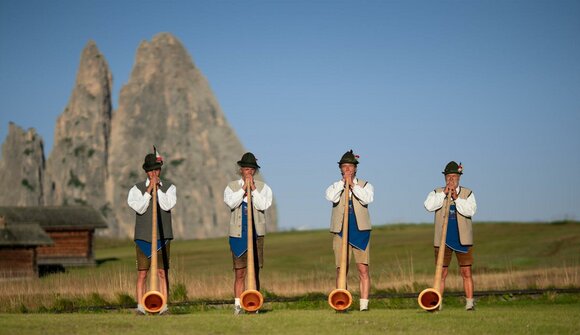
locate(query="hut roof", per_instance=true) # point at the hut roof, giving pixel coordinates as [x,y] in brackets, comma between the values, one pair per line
[23,234]
[56,217]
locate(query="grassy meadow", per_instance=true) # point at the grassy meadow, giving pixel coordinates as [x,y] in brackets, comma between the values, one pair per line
[543,316]
[300,264]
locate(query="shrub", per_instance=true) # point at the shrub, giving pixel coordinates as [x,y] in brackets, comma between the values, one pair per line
[26,184]
[75,181]
[126,300]
[178,292]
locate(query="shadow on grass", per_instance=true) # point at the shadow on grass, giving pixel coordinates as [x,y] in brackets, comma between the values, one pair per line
[105,260]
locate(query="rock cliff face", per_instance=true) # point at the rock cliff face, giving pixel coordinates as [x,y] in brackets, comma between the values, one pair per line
[97,155]
[168,103]
[22,167]
[76,170]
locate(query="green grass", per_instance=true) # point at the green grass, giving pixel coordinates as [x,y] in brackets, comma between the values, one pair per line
[548,314]
[507,256]
[301,264]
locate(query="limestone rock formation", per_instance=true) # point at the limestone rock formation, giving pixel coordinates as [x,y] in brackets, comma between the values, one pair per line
[97,155]
[168,103]
[22,167]
[76,169]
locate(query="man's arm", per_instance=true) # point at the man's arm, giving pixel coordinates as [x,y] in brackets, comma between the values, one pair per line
[364,194]
[233,199]
[168,199]
[334,191]
[138,201]
[262,200]
[466,207]
[434,201]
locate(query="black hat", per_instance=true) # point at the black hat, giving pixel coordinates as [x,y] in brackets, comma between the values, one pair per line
[349,158]
[151,163]
[453,167]
[249,160]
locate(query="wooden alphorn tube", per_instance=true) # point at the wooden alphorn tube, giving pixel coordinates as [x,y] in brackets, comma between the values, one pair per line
[153,300]
[251,299]
[340,299]
[430,298]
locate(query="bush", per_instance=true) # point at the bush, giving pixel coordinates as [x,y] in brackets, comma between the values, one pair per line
[62,305]
[178,292]
[126,300]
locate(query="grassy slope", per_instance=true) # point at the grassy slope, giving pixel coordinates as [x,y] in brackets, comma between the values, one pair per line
[396,251]
[401,258]
[302,262]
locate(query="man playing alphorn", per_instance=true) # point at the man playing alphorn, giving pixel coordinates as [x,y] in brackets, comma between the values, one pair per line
[359,223]
[139,200]
[236,198]
[459,237]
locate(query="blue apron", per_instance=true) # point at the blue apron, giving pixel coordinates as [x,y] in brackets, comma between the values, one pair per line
[356,238]
[146,246]
[239,245]
[452,240]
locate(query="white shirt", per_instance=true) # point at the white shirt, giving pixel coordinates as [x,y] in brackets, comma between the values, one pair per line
[465,207]
[261,200]
[364,194]
[140,202]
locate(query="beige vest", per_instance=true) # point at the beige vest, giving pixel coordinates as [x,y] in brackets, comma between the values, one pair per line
[236,215]
[463,222]
[363,219]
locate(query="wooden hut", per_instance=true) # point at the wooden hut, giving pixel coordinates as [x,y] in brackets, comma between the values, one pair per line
[71,228]
[19,249]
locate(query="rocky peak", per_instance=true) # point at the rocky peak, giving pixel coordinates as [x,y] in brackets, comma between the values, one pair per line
[22,164]
[168,102]
[97,155]
[76,169]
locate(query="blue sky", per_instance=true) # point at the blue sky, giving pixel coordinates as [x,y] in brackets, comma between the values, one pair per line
[409,85]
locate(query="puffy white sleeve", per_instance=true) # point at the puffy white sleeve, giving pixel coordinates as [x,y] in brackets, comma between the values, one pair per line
[233,199]
[364,194]
[334,191]
[138,201]
[262,200]
[434,201]
[466,207]
[168,199]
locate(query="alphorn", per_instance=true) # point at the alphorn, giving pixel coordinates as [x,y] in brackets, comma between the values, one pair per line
[340,299]
[251,299]
[153,300]
[430,298]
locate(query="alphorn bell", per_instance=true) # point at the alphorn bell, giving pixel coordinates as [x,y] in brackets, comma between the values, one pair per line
[153,300]
[430,298]
[251,299]
[340,299]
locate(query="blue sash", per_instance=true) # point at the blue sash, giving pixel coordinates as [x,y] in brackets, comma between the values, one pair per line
[239,245]
[452,240]
[356,238]
[146,246]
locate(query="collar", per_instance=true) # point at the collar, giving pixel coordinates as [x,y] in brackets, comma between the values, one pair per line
[147,182]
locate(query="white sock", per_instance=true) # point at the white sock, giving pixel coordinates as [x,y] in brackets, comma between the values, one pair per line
[237,302]
[364,304]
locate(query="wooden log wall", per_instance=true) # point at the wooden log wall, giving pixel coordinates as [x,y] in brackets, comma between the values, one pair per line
[18,262]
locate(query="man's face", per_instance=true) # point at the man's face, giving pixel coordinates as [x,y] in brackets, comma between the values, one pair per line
[452,179]
[247,172]
[347,169]
[153,173]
